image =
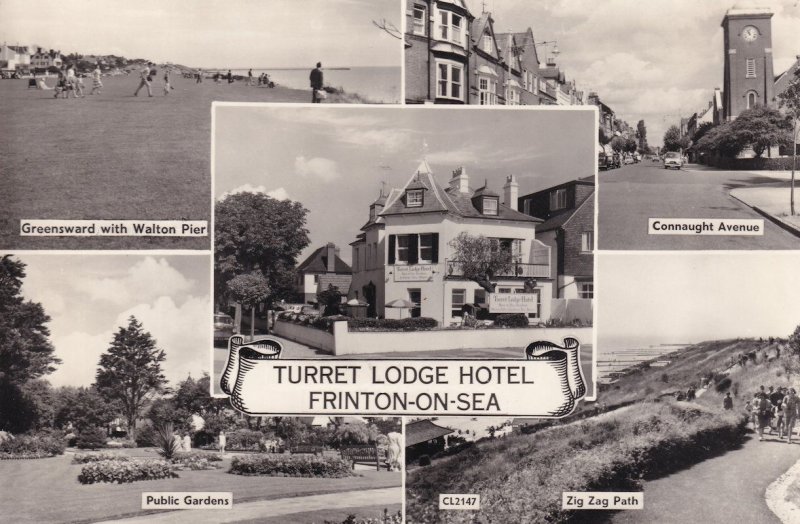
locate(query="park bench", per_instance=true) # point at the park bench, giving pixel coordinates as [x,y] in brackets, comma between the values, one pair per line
[367,455]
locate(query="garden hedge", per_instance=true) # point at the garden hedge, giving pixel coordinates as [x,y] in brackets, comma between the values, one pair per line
[115,471]
[511,320]
[32,447]
[291,466]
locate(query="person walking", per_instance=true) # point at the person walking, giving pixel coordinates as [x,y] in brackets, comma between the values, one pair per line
[72,83]
[199,76]
[97,84]
[144,80]
[727,402]
[222,441]
[230,77]
[250,78]
[791,412]
[764,410]
[167,85]
[316,83]
[779,413]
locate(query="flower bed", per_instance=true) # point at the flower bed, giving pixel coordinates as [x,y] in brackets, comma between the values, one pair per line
[31,447]
[195,460]
[86,458]
[360,324]
[291,466]
[120,472]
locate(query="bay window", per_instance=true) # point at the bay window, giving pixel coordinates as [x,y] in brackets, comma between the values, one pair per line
[452,27]
[487,91]
[449,79]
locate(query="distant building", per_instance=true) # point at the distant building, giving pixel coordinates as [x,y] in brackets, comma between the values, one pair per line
[14,57]
[322,268]
[568,229]
[606,116]
[44,59]
[423,437]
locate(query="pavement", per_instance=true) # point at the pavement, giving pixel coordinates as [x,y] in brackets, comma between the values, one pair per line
[629,196]
[724,489]
[773,203]
[272,510]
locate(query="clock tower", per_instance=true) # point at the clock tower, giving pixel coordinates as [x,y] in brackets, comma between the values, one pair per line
[749,79]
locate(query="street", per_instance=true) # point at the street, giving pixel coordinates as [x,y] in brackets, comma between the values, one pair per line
[629,196]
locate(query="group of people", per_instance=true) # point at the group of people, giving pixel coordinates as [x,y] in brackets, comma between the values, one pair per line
[147,74]
[70,83]
[775,409]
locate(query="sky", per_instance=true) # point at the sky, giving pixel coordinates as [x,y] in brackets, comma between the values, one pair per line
[334,159]
[89,297]
[664,298]
[653,60]
[211,33]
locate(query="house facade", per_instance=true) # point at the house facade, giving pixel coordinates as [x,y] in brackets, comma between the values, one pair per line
[568,229]
[14,56]
[322,268]
[43,59]
[405,251]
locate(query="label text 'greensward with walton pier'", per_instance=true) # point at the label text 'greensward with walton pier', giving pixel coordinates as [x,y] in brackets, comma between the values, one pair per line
[114,228]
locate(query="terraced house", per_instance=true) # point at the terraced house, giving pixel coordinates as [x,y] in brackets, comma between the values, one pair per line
[404,252]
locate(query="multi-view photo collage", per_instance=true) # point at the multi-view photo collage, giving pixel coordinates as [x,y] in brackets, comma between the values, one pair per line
[399,261]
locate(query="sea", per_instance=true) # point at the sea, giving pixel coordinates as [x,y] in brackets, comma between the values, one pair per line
[376,84]
[610,362]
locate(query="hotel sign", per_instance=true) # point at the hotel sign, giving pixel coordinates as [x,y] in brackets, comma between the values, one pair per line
[413,273]
[513,302]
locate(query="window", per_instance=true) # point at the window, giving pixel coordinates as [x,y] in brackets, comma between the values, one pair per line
[414,198]
[587,241]
[402,249]
[480,296]
[558,199]
[504,290]
[526,207]
[355,259]
[451,27]
[512,96]
[751,68]
[449,80]
[415,297]
[420,19]
[426,248]
[490,206]
[586,289]
[487,91]
[752,99]
[316,279]
[487,43]
[535,85]
[459,299]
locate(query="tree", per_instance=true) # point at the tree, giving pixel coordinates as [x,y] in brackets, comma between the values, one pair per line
[641,133]
[165,411]
[790,102]
[794,341]
[249,290]
[480,258]
[702,129]
[618,144]
[194,396]
[130,371]
[630,145]
[761,128]
[602,137]
[673,141]
[331,300]
[82,408]
[256,233]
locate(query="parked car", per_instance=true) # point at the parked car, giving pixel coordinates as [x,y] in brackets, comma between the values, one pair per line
[673,160]
[637,157]
[603,160]
[223,328]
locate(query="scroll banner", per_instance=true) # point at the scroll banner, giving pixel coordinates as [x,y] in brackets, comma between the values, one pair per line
[547,383]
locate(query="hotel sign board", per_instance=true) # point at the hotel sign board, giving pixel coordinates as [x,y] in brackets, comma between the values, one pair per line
[413,273]
[513,303]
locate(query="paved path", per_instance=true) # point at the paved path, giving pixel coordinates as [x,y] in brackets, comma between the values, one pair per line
[272,510]
[726,489]
[629,196]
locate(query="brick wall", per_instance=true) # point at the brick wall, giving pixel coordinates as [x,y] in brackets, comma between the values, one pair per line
[575,262]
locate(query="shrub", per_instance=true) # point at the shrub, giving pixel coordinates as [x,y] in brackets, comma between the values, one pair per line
[146,436]
[184,455]
[126,471]
[511,320]
[388,324]
[91,438]
[244,440]
[121,443]
[291,466]
[723,385]
[40,445]
[194,462]
[424,460]
[165,440]
[86,458]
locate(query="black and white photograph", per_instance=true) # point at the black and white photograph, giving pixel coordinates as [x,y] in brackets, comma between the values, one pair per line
[403,232]
[106,104]
[697,101]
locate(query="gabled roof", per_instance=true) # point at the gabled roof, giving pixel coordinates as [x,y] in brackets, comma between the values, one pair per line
[561,219]
[525,43]
[786,77]
[505,53]
[432,202]
[480,25]
[342,282]
[423,431]
[317,262]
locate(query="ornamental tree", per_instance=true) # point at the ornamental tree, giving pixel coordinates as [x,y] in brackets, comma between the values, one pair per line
[480,258]
[790,102]
[761,128]
[129,371]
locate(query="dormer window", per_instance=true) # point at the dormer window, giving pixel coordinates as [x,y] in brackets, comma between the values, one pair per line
[487,43]
[414,198]
[490,205]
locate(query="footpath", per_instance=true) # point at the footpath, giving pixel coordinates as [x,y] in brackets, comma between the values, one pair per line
[271,510]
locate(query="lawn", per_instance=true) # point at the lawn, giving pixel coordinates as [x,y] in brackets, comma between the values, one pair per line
[112,156]
[47,490]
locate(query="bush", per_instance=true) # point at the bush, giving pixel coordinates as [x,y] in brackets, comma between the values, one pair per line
[91,438]
[86,458]
[424,460]
[511,320]
[121,443]
[166,441]
[126,471]
[723,385]
[244,440]
[146,436]
[195,461]
[32,446]
[185,455]
[751,164]
[291,466]
[388,324]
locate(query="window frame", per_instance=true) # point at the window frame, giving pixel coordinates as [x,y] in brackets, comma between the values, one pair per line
[415,193]
[750,68]
[558,203]
[487,43]
[449,83]
[747,96]
[587,242]
[586,288]
[493,210]
[406,249]
[487,96]
[449,32]
[429,248]
[454,304]
[419,26]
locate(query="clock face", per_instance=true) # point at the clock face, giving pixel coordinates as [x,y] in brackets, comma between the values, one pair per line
[750,33]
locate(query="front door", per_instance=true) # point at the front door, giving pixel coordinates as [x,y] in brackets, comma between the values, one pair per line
[369,296]
[415,297]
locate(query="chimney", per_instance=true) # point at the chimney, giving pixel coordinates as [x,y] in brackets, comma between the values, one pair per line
[511,192]
[460,180]
[331,249]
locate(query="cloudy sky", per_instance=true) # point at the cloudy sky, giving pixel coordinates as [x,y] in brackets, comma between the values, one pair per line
[653,60]
[211,33]
[665,298]
[334,159]
[89,297]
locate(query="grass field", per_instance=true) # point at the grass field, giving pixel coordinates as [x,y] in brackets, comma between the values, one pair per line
[112,156]
[47,490]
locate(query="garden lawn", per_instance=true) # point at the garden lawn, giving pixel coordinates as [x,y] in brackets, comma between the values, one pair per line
[111,156]
[47,490]
[332,515]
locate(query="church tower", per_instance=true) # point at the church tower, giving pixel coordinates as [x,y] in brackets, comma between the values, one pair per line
[749,78]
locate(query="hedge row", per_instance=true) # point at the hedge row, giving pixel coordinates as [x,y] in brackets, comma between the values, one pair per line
[291,466]
[127,471]
[86,458]
[32,446]
[750,164]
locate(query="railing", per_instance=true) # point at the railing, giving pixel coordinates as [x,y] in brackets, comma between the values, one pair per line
[515,270]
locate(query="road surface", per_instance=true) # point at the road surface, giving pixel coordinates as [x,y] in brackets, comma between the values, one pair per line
[629,196]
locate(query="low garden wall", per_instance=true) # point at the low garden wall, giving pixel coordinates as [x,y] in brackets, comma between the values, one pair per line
[345,342]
